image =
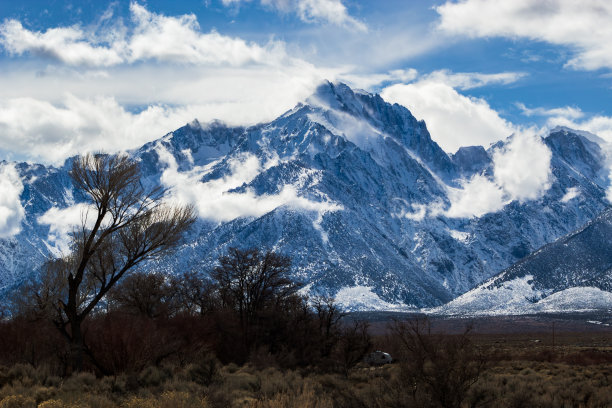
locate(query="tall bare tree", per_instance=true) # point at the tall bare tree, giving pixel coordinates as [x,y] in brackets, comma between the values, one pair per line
[126,226]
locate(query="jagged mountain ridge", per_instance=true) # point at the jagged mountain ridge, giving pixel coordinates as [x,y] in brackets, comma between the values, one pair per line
[346,169]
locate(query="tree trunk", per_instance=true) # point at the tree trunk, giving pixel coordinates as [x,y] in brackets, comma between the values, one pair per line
[77,347]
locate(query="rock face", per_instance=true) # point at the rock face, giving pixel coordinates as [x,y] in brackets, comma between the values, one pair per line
[341,184]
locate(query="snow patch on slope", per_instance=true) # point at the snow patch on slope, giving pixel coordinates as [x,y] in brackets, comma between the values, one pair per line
[578,299]
[460,236]
[362,298]
[517,297]
[512,297]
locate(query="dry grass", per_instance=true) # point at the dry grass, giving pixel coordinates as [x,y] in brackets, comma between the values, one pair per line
[521,374]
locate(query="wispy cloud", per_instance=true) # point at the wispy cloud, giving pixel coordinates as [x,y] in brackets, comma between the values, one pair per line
[574,118]
[582,26]
[178,39]
[312,11]
[64,221]
[471,80]
[51,133]
[521,171]
[215,200]
[372,80]
[69,45]
[568,112]
[597,128]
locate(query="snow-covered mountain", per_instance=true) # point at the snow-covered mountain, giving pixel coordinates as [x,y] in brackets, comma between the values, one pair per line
[572,273]
[354,189]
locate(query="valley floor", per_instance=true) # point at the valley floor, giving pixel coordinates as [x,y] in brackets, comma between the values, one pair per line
[524,367]
[544,324]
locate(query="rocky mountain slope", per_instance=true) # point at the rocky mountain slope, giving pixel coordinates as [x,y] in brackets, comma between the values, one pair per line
[572,273]
[354,189]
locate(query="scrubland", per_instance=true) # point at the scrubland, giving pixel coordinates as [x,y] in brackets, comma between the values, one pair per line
[512,371]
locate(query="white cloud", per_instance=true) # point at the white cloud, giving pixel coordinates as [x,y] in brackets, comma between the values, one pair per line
[11,210]
[456,80]
[51,133]
[178,39]
[70,45]
[599,125]
[311,11]
[521,171]
[522,167]
[597,128]
[470,80]
[573,118]
[214,200]
[50,113]
[51,124]
[453,119]
[332,11]
[476,197]
[62,222]
[570,194]
[153,37]
[583,26]
[567,112]
[356,130]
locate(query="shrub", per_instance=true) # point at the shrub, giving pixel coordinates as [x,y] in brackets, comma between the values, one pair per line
[79,382]
[17,401]
[204,371]
[52,404]
[153,376]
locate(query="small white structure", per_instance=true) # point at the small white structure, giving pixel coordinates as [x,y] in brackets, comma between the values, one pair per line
[378,358]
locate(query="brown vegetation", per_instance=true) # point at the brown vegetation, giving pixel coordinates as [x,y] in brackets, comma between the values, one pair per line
[513,379]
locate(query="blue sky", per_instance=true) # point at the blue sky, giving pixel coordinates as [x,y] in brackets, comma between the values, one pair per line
[91,75]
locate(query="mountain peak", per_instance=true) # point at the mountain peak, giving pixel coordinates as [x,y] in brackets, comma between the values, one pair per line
[580,151]
[370,113]
[587,135]
[471,159]
[338,96]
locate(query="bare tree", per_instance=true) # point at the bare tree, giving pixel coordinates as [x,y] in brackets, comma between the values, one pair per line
[249,282]
[353,345]
[328,315]
[194,294]
[145,294]
[126,226]
[439,369]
